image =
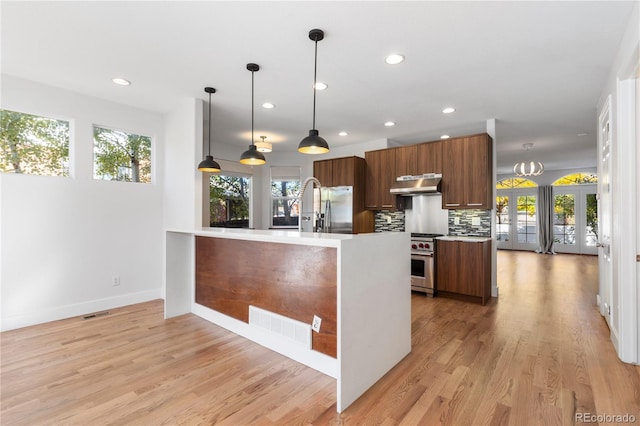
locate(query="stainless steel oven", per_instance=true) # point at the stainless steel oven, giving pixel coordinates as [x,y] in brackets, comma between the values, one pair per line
[422,264]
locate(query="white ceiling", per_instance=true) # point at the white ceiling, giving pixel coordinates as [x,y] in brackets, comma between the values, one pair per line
[537,67]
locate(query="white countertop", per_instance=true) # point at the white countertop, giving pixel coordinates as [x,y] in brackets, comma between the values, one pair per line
[464,238]
[285,236]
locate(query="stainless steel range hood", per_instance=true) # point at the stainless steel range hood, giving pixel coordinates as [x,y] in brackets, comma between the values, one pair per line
[419,184]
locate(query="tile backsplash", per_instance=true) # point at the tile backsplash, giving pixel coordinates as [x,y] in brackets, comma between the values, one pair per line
[389,221]
[473,223]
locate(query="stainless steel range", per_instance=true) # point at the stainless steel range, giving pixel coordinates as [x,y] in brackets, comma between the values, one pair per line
[423,248]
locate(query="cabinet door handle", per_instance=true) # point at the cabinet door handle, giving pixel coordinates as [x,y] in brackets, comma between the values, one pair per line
[474,204]
[452,204]
[372,207]
[387,205]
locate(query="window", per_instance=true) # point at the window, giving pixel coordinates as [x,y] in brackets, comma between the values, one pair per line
[229,200]
[526,225]
[564,219]
[121,156]
[285,185]
[503,221]
[576,179]
[34,145]
[515,183]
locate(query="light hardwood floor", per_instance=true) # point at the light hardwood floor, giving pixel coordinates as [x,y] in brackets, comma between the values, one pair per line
[536,356]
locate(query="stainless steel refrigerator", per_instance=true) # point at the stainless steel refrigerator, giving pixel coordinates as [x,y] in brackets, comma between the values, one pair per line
[333,210]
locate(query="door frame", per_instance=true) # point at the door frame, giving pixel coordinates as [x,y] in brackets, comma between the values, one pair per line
[580,192]
[513,194]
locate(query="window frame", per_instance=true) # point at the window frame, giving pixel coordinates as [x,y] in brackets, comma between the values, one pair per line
[285,172]
[71,141]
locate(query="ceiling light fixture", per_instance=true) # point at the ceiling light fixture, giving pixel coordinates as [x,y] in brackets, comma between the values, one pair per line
[448,110]
[394,59]
[445,137]
[252,156]
[528,168]
[264,146]
[343,134]
[209,165]
[314,144]
[268,105]
[320,85]
[121,81]
[389,124]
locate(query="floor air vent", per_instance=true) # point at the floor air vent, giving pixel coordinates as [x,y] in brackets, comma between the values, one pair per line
[96,315]
[296,331]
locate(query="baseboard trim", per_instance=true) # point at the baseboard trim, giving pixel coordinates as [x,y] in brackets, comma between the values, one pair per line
[67,311]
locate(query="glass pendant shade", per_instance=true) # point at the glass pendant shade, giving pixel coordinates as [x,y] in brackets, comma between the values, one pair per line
[313,144]
[209,165]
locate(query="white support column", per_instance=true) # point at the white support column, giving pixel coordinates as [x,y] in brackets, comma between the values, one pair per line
[491,130]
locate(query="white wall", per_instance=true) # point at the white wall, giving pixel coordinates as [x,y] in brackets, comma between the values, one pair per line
[624,294]
[64,239]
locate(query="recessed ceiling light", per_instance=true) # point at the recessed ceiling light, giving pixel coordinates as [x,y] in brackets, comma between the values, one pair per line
[389,124]
[583,134]
[394,59]
[320,85]
[445,137]
[343,133]
[268,105]
[448,110]
[121,81]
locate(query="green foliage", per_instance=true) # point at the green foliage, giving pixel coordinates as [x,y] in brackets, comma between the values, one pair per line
[564,209]
[121,156]
[33,145]
[229,201]
[284,192]
[592,213]
[527,203]
[502,207]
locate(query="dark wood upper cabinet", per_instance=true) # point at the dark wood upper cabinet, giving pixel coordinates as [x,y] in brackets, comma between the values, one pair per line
[323,171]
[344,171]
[406,157]
[467,173]
[429,157]
[381,174]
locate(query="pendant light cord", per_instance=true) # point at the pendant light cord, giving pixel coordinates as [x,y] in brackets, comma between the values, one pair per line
[209,124]
[315,79]
[252,72]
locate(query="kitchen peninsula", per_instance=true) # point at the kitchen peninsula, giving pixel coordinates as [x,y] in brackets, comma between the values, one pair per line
[273,286]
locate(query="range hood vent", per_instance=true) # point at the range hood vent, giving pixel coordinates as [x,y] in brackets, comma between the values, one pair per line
[428,183]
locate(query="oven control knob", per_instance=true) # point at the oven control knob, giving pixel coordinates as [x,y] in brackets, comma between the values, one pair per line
[421,245]
[413,246]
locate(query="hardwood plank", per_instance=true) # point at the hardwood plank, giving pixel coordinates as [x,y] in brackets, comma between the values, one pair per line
[538,355]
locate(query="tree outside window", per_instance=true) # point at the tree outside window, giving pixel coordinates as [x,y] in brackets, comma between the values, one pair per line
[31,144]
[229,201]
[121,156]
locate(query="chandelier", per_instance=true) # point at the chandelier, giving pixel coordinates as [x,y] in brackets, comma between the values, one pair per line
[528,168]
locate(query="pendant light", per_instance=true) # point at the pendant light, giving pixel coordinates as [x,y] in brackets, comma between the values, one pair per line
[264,146]
[314,144]
[528,168]
[252,156]
[209,165]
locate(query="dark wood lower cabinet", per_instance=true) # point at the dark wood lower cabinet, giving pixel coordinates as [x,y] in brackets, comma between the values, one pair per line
[464,269]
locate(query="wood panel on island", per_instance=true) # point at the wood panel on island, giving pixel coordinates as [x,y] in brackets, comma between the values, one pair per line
[292,280]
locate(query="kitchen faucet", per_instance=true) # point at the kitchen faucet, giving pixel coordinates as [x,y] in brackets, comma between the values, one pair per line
[306,183]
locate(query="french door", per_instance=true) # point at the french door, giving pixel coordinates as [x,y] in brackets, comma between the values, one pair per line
[517,219]
[575,219]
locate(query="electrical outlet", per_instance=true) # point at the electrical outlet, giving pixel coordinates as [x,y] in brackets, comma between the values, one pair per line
[388,219]
[456,221]
[475,221]
[315,325]
[116,280]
